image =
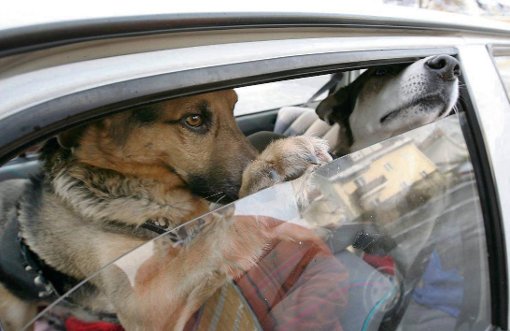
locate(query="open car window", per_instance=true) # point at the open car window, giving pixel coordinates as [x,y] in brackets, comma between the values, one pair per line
[258,98]
[392,239]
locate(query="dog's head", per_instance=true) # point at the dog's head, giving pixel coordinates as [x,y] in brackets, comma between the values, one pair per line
[190,141]
[385,101]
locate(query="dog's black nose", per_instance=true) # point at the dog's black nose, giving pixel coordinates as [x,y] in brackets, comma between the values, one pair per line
[445,66]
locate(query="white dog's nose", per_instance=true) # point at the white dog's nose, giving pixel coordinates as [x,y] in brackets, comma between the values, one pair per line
[445,66]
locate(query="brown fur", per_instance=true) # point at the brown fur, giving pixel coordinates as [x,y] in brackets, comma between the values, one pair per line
[146,164]
[15,313]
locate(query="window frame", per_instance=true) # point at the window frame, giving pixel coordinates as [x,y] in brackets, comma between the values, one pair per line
[44,119]
[495,51]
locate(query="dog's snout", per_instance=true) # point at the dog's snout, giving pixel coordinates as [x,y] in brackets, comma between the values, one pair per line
[445,66]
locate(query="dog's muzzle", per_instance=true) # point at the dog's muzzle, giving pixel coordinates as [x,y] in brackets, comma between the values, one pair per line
[445,66]
[214,190]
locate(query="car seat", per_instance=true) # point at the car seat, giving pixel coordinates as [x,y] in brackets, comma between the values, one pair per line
[296,121]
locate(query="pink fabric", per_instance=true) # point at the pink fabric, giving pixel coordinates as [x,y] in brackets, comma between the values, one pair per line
[297,287]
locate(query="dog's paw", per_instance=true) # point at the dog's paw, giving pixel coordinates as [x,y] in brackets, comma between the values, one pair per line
[224,242]
[284,160]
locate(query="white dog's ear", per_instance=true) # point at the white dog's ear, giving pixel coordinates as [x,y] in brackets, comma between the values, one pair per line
[324,113]
[336,109]
[333,104]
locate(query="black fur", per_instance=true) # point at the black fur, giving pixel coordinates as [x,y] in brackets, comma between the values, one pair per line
[145,115]
[207,188]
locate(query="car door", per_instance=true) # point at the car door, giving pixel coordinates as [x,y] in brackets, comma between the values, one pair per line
[386,269]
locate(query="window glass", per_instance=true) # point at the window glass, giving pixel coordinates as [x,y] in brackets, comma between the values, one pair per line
[392,238]
[503,65]
[257,98]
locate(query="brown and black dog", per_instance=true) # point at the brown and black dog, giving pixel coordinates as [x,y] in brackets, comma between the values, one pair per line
[161,164]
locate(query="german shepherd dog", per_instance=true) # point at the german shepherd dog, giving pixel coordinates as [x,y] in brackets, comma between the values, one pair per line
[161,164]
[388,100]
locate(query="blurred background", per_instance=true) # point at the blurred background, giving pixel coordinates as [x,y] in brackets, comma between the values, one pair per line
[498,9]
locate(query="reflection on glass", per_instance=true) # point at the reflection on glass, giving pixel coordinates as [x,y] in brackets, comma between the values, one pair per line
[387,238]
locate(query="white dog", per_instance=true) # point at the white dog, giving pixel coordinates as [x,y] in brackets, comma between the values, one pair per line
[388,100]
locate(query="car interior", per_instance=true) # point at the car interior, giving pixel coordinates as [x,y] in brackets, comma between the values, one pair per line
[387,310]
[425,236]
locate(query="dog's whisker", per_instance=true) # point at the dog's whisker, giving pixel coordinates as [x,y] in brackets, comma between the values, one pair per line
[213,195]
[221,198]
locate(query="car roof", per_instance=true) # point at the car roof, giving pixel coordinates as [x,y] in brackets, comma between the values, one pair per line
[27,27]
[18,16]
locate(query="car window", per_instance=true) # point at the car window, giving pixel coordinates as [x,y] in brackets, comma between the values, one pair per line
[503,66]
[391,238]
[257,98]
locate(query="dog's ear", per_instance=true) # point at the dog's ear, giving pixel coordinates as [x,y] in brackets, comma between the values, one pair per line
[71,138]
[338,102]
[231,96]
[336,109]
[338,106]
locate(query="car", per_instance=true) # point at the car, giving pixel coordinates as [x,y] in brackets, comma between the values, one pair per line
[415,225]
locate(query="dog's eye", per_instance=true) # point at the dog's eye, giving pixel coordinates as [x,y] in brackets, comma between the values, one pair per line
[194,120]
[381,72]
